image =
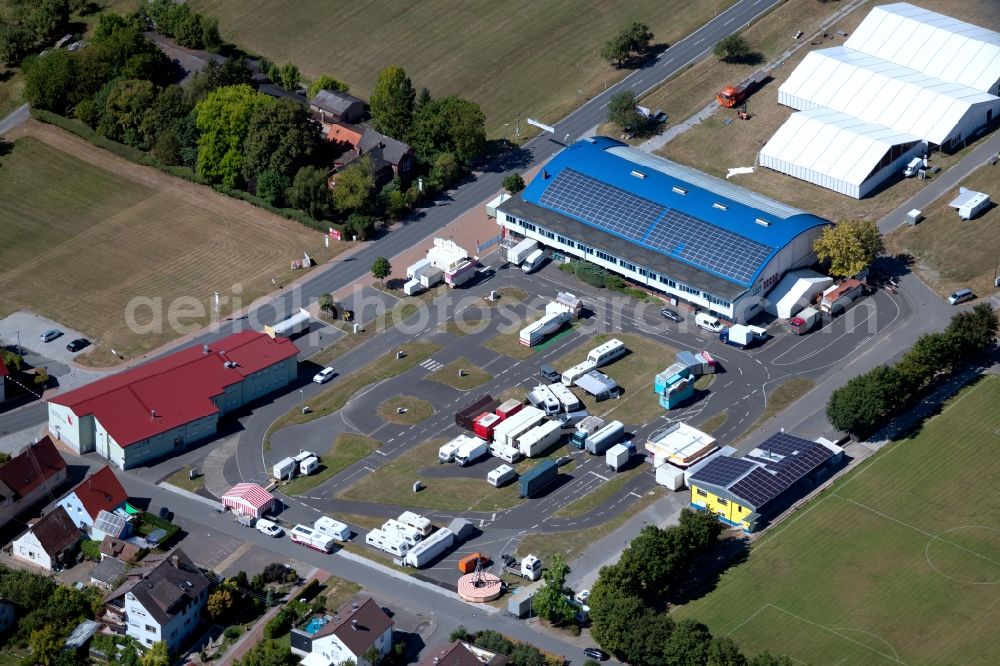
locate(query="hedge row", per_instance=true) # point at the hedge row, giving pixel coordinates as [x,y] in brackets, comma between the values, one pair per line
[131,154]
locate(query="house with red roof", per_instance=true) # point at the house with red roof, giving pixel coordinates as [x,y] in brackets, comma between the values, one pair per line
[29,477]
[151,411]
[101,491]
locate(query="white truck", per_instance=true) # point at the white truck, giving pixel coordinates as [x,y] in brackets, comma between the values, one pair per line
[539,438]
[543,398]
[739,335]
[567,399]
[390,543]
[407,534]
[602,440]
[520,252]
[420,523]
[332,528]
[310,538]
[470,451]
[533,261]
[500,476]
[514,426]
[618,455]
[430,548]
[577,371]
[534,333]
[531,567]
[508,454]
[285,469]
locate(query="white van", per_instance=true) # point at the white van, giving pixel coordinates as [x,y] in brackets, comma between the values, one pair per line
[501,476]
[533,261]
[332,528]
[912,167]
[269,528]
[708,322]
[606,352]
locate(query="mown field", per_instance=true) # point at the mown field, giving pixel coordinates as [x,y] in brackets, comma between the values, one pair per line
[898,562]
[86,232]
[537,58]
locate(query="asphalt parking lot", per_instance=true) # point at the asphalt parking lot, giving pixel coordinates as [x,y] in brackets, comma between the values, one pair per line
[27,328]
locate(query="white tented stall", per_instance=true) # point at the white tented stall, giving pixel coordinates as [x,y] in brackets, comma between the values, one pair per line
[795,291]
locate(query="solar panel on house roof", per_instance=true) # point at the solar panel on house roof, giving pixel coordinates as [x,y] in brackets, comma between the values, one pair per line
[706,245]
[722,471]
[657,227]
[109,523]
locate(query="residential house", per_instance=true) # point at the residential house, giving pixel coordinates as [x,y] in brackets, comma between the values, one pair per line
[344,134]
[333,106]
[346,635]
[459,653]
[161,601]
[101,491]
[389,157]
[29,477]
[108,574]
[122,550]
[114,525]
[399,156]
[49,542]
[8,614]
[159,408]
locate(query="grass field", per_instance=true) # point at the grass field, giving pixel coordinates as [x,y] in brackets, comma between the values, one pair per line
[448,375]
[714,147]
[539,59]
[634,372]
[86,232]
[347,449]
[898,562]
[417,409]
[783,395]
[952,253]
[600,494]
[182,479]
[337,592]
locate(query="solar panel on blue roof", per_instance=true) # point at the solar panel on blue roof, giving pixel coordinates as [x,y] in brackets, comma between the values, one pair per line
[603,205]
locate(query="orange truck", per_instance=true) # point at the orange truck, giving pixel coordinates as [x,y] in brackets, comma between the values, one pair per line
[732,96]
[468,563]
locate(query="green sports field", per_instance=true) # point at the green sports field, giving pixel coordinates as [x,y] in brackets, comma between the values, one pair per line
[899,562]
[536,58]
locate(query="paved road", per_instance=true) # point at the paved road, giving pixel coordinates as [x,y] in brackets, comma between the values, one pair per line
[15,118]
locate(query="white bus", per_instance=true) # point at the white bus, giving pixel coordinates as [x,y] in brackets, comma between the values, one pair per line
[312,539]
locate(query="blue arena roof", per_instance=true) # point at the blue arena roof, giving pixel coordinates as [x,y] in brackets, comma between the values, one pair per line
[675,211]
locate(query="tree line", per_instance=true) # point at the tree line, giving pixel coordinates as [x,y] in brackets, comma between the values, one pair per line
[237,138]
[628,602]
[868,401]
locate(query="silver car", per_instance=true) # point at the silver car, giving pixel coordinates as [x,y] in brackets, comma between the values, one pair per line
[50,335]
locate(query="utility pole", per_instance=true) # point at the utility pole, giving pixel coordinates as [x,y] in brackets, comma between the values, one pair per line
[517,127]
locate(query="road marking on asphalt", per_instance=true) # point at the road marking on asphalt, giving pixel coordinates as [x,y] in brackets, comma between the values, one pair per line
[728,22]
[431,365]
[634,494]
[699,41]
[598,475]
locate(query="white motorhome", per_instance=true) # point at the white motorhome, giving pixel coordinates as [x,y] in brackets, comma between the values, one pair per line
[567,400]
[500,476]
[577,371]
[310,538]
[508,454]
[543,398]
[332,528]
[416,521]
[408,534]
[606,352]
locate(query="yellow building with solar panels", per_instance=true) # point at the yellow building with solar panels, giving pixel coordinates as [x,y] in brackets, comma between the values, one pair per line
[742,490]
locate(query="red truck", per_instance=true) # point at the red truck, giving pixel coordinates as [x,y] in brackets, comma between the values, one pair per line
[733,96]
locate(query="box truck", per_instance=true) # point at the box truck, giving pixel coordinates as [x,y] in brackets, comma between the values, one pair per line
[543,398]
[332,528]
[509,408]
[537,478]
[417,522]
[485,403]
[517,254]
[586,427]
[501,476]
[619,455]
[470,451]
[605,438]
[284,469]
[430,548]
[567,400]
[483,425]
[510,429]
[509,454]
[804,321]
[539,439]
[742,336]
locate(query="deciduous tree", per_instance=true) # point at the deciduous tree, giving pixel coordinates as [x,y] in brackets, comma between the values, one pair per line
[281,137]
[157,655]
[220,603]
[268,653]
[309,192]
[513,183]
[290,77]
[449,125]
[381,268]
[326,82]
[621,110]
[354,188]
[688,644]
[849,246]
[125,108]
[271,187]
[392,102]
[723,651]
[50,80]
[733,48]
[224,121]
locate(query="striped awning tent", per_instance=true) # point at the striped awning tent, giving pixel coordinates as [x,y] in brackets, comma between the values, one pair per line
[248,499]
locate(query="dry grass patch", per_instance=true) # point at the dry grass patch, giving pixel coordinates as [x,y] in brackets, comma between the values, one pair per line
[414,409]
[338,591]
[182,479]
[86,233]
[783,395]
[346,450]
[714,422]
[600,494]
[448,375]
[509,344]
[952,253]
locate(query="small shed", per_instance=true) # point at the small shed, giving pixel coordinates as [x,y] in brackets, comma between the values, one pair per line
[81,634]
[333,106]
[462,528]
[249,499]
[108,573]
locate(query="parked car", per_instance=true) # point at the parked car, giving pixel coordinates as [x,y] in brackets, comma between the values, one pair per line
[549,373]
[595,653]
[961,296]
[77,345]
[582,596]
[269,528]
[672,315]
[50,335]
[324,375]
